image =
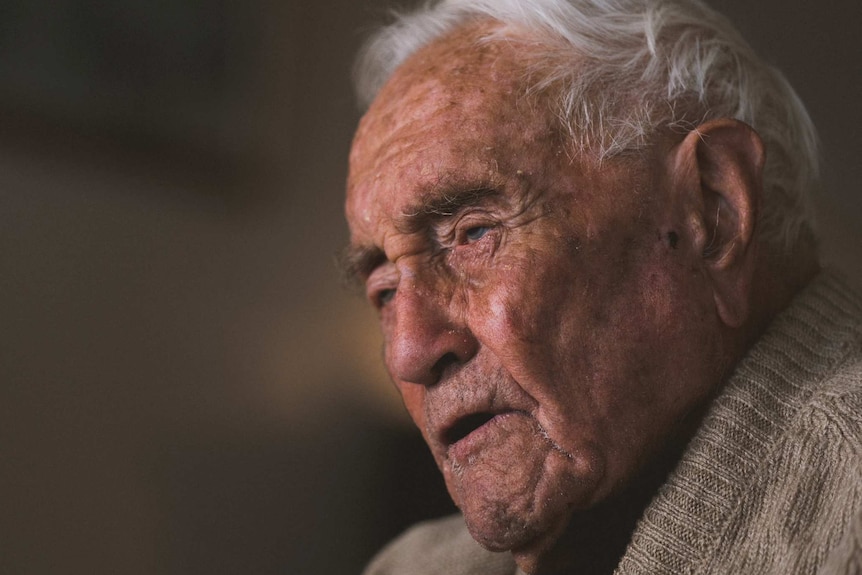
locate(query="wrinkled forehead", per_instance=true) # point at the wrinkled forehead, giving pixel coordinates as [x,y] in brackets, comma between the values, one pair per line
[460,68]
[463,86]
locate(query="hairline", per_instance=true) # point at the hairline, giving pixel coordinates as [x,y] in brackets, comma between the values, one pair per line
[764,99]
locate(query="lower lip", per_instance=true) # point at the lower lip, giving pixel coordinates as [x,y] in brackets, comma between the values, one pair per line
[476,439]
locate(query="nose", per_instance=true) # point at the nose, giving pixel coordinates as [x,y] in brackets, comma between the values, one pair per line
[425,338]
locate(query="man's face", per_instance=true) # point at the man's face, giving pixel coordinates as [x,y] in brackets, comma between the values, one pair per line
[544,333]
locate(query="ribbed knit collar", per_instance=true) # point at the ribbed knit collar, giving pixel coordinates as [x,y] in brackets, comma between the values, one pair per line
[799,349]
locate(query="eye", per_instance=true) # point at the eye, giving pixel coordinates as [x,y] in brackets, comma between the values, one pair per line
[476,233]
[381,285]
[383,297]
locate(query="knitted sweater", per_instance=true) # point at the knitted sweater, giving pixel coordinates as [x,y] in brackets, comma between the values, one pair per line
[770,484]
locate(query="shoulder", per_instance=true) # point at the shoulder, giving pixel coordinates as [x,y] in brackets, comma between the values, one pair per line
[439,547]
[811,359]
[835,412]
[835,403]
[846,559]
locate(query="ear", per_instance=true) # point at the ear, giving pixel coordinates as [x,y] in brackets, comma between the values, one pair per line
[720,165]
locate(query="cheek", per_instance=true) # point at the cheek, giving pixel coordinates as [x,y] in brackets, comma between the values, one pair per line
[521,308]
[497,316]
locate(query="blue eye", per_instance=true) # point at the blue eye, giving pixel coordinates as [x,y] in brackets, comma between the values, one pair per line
[476,233]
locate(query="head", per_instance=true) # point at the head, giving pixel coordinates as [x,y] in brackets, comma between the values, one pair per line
[564,214]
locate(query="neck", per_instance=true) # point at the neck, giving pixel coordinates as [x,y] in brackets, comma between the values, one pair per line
[779,277]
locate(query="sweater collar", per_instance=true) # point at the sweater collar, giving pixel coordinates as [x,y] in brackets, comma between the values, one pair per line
[779,373]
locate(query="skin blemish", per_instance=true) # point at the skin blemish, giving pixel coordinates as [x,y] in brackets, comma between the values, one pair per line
[573,244]
[672,239]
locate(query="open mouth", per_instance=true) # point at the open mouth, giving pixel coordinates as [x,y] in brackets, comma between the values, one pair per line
[467,425]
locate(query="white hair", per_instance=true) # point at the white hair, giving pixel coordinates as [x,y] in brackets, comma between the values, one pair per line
[619,72]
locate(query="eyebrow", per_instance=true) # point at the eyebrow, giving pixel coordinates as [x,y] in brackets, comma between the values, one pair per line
[358,261]
[449,201]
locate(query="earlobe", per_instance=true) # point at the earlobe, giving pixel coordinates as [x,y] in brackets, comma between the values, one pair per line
[722,161]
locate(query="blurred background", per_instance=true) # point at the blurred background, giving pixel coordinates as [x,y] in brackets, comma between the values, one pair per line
[185,386]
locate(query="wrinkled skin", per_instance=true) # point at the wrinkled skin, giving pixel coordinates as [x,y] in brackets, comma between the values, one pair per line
[559,299]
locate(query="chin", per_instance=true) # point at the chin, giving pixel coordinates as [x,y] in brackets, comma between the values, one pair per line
[532,543]
[503,527]
[502,534]
[516,489]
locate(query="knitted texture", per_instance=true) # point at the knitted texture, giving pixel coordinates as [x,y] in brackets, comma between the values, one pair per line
[773,478]
[770,484]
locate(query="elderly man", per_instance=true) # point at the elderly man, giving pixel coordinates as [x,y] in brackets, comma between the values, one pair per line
[585,226]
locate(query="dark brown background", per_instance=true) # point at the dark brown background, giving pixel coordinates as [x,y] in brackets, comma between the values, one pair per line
[185,386]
